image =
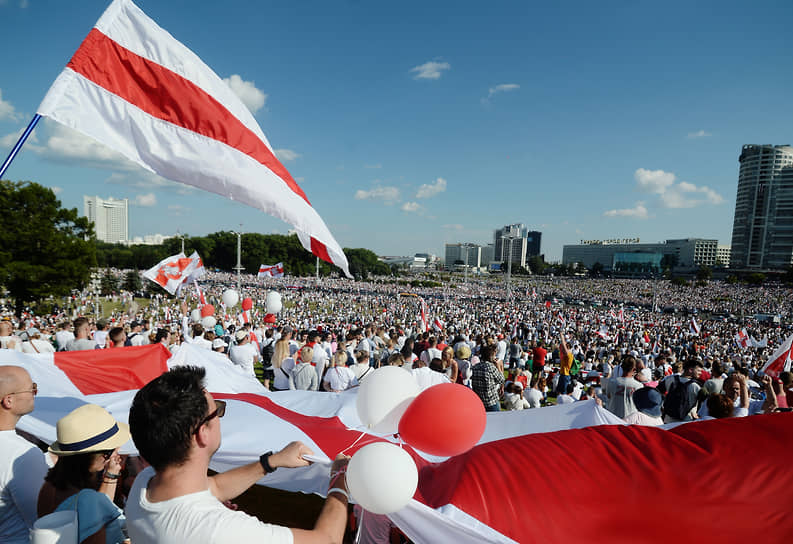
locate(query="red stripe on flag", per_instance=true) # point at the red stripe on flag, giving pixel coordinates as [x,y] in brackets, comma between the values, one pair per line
[95,371]
[320,250]
[166,95]
[329,433]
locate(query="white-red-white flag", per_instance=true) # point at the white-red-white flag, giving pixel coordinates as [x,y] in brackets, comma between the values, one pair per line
[271,270]
[779,362]
[693,326]
[742,338]
[133,87]
[423,314]
[437,324]
[172,271]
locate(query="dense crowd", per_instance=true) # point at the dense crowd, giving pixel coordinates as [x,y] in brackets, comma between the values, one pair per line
[647,351]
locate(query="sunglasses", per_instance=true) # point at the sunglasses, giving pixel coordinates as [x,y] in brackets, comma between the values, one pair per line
[219,411]
[34,389]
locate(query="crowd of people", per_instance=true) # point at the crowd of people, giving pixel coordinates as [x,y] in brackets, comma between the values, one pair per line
[543,342]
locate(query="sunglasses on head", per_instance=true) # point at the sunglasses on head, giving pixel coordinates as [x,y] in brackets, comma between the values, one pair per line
[220,411]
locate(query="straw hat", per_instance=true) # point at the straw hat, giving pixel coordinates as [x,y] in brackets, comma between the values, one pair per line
[89,428]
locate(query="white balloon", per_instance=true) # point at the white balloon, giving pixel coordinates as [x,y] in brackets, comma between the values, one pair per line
[195,316]
[382,477]
[384,396]
[272,302]
[208,322]
[230,298]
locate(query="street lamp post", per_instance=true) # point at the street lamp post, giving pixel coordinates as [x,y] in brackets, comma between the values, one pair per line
[238,268]
[509,264]
[181,237]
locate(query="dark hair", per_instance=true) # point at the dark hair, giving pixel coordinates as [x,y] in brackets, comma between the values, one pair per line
[161,333]
[79,322]
[487,353]
[165,413]
[628,363]
[691,364]
[74,471]
[115,334]
[436,365]
[407,349]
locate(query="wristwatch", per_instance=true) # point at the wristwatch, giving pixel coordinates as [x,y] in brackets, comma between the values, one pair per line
[264,460]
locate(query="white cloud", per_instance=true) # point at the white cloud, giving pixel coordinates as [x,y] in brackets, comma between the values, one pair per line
[653,181]
[453,226]
[688,195]
[145,201]
[9,141]
[68,146]
[57,190]
[698,134]
[430,70]
[144,180]
[388,195]
[674,194]
[286,154]
[411,207]
[502,88]
[253,98]
[373,166]
[639,211]
[429,190]
[7,111]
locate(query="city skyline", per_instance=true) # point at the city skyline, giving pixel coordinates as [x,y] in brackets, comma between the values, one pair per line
[407,134]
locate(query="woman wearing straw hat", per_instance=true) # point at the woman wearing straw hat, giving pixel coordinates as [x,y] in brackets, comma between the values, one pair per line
[87,473]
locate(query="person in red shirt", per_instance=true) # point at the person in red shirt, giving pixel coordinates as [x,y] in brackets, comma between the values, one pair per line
[538,355]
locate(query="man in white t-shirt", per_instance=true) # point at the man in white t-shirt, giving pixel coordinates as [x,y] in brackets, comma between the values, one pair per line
[174,501]
[22,465]
[243,353]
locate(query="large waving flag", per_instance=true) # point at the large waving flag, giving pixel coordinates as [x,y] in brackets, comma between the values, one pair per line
[172,272]
[610,465]
[136,89]
[780,360]
[271,271]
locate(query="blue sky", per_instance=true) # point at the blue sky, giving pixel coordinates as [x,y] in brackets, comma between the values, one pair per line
[414,124]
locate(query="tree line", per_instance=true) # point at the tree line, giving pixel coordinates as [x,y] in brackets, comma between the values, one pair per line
[48,250]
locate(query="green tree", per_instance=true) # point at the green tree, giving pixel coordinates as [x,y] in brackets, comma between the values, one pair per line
[597,269]
[704,273]
[45,249]
[132,281]
[109,283]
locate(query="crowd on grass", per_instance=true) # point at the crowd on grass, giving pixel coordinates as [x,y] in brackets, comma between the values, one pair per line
[648,352]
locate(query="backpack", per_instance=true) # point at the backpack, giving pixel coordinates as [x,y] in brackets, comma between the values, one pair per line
[677,404]
[267,354]
[128,341]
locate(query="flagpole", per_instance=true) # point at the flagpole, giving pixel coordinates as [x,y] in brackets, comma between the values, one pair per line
[19,144]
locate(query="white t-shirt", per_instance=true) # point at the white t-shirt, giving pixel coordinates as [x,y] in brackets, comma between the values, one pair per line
[534,396]
[22,470]
[427,377]
[340,378]
[194,518]
[244,357]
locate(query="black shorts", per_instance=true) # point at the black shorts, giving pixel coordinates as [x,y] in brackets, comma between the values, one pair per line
[268,374]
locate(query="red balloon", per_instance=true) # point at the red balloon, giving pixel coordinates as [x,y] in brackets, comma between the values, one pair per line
[269,318]
[207,310]
[247,303]
[421,428]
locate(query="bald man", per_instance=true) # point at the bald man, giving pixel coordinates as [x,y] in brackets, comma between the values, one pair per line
[22,465]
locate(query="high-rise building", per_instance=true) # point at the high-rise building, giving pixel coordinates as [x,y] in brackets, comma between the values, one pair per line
[465,254]
[762,230]
[515,243]
[109,216]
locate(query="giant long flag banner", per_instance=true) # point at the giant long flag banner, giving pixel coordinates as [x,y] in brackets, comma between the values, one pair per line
[136,89]
[536,475]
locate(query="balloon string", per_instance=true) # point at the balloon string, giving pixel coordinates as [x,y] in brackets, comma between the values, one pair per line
[351,445]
